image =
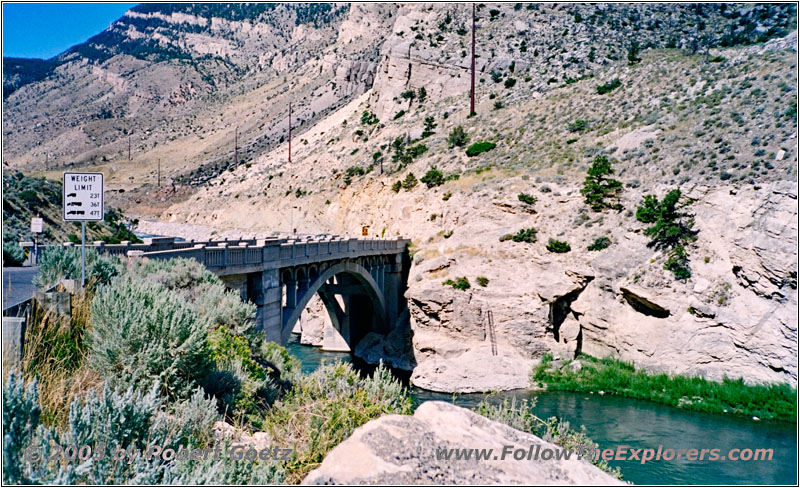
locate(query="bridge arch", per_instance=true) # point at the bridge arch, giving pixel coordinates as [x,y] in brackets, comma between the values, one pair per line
[353,269]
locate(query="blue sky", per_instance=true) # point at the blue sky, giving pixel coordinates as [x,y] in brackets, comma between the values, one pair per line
[43,30]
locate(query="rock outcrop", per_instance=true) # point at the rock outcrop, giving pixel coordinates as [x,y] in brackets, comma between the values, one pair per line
[397,449]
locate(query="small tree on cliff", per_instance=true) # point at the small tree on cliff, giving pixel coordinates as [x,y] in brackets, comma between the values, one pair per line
[598,187]
[672,229]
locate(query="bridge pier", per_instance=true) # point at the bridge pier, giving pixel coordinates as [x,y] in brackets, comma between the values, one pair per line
[391,289]
[265,291]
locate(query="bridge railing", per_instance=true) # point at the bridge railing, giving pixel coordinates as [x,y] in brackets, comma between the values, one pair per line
[242,252]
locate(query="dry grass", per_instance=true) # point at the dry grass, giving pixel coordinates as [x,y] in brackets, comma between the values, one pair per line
[55,355]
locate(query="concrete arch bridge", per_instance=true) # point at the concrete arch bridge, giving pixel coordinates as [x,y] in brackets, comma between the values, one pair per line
[361,282]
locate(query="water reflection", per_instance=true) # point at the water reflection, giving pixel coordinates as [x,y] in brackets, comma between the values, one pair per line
[613,421]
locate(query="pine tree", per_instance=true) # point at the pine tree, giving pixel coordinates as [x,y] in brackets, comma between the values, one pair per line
[598,187]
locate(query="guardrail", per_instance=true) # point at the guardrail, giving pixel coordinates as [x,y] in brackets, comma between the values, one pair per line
[244,252]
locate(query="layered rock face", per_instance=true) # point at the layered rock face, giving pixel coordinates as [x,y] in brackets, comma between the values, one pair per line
[735,318]
[397,449]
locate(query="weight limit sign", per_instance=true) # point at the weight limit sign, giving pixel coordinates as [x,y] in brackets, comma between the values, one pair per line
[83,196]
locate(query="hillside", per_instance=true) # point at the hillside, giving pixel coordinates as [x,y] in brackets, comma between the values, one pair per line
[26,197]
[677,96]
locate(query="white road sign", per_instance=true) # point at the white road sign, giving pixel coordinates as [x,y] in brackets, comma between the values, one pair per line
[37,225]
[83,196]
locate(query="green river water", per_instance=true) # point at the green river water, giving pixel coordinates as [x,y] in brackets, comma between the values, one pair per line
[614,421]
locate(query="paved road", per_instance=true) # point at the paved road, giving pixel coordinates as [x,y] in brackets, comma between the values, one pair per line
[17,285]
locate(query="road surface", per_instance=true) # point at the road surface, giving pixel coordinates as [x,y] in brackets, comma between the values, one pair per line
[17,285]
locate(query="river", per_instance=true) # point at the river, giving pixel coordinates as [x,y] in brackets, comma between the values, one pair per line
[614,421]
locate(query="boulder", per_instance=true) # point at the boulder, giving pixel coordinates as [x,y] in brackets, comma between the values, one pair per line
[401,449]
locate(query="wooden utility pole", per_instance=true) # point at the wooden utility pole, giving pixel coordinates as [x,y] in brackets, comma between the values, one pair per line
[236,148]
[129,148]
[472,83]
[159,172]
[290,132]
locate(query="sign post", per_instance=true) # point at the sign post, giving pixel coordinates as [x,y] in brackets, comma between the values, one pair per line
[37,227]
[83,201]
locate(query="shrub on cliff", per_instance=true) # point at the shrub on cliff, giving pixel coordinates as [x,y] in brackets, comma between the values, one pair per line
[672,229]
[458,137]
[557,246]
[599,187]
[430,124]
[410,181]
[461,283]
[433,178]
[480,147]
[609,86]
[523,235]
[599,244]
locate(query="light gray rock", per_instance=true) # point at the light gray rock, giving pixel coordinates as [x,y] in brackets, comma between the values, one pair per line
[398,449]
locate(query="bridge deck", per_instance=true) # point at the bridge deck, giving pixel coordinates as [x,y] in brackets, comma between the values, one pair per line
[249,255]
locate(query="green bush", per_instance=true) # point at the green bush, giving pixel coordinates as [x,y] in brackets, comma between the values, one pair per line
[430,124]
[482,280]
[458,137]
[671,226]
[396,186]
[399,114]
[58,262]
[461,283]
[480,147]
[410,181]
[678,263]
[609,86]
[433,178]
[369,118]
[13,255]
[525,198]
[598,186]
[578,126]
[174,274]
[416,151]
[142,333]
[599,244]
[524,235]
[672,229]
[633,53]
[556,246]
[324,408]
[408,94]
[352,172]
[240,384]
[127,419]
[510,82]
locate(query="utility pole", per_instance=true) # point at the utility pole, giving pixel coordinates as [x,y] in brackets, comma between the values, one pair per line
[472,82]
[236,149]
[129,148]
[290,132]
[159,172]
